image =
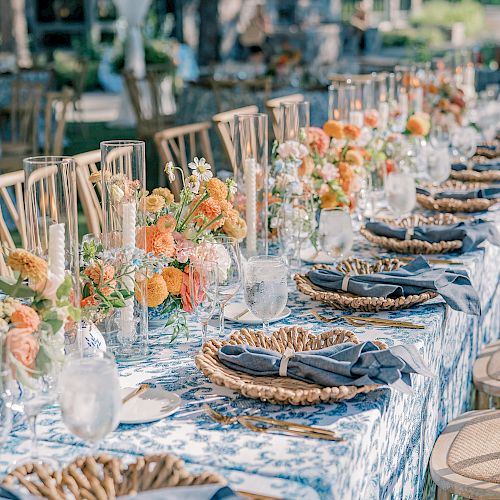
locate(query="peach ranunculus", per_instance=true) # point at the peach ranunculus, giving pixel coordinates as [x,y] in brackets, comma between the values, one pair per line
[334,129]
[153,203]
[346,174]
[317,139]
[354,157]
[351,132]
[165,193]
[25,318]
[23,346]
[94,273]
[217,189]
[211,209]
[236,229]
[418,124]
[166,224]
[371,118]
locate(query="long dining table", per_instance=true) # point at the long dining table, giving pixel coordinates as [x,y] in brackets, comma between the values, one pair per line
[387,436]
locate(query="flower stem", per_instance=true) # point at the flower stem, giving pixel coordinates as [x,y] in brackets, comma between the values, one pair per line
[192,212]
[208,224]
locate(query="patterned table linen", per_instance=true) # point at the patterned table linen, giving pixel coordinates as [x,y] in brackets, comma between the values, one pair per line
[388,435]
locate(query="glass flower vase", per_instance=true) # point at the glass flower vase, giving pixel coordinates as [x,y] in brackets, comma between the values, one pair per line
[125,328]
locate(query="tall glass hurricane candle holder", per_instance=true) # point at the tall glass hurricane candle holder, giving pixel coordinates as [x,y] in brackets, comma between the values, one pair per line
[340,101]
[50,196]
[294,117]
[250,149]
[123,238]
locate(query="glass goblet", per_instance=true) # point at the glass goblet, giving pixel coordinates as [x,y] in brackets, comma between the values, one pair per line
[438,164]
[204,292]
[229,273]
[336,235]
[266,288]
[90,395]
[464,140]
[400,192]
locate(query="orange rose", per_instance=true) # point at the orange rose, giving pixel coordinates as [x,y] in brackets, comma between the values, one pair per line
[23,346]
[25,318]
[329,200]
[351,132]
[371,118]
[354,157]
[334,129]
[418,125]
[94,273]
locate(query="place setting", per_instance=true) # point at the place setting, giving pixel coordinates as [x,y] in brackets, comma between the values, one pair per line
[268,261]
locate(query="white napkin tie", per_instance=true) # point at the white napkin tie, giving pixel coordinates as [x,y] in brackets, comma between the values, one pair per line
[285,358]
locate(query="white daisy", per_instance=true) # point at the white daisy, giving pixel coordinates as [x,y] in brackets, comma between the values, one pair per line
[170,171]
[201,168]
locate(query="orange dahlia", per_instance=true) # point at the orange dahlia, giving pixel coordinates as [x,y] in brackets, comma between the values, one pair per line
[217,189]
[173,279]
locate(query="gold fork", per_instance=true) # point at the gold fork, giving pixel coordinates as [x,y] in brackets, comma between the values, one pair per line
[273,425]
[361,321]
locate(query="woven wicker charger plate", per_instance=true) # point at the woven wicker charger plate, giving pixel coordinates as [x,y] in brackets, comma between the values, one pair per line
[411,245]
[474,176]
[344,300]
[105,477]
[279,390]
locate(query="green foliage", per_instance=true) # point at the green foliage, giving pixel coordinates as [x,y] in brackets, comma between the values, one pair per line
[67,67]
[445,14]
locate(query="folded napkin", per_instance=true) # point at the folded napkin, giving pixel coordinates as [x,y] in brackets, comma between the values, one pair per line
[486,193]
[471,233]
[414,278]
[340,364]
[478,167]
[199,492]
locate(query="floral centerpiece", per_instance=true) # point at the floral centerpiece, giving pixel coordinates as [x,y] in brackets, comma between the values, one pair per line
[180,232]
[445,102]
[33,315]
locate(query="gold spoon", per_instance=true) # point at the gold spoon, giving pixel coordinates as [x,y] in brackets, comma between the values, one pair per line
[136,392]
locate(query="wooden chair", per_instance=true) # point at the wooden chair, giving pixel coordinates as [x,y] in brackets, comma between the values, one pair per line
[12,196]
[180,144]
[273,108]
[443,470]
[486,376]
[146,99]
[89,193]
[231,94]
[224,122]
[56,105]
[23,115]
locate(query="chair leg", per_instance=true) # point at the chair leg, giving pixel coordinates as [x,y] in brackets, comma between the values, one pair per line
[483,401]
[496,402]
[442,495]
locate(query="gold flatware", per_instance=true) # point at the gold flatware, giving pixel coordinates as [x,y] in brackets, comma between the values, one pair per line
[256,496]
[136,392]
[241,314]
[273,425]
[361,321]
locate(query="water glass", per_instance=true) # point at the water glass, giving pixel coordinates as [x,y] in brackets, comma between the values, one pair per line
[90,396]
[266,289]
[293,118]
[204,292]
[229,261]
[438,164]
[336,235]
[464,140]
[401,193]
[439,136]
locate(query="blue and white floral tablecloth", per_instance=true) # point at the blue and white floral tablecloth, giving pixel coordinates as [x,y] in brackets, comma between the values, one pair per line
[388,436]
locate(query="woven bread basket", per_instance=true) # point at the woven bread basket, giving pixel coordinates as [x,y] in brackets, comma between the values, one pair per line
[344,300]
[105,477]
[279,390]
[411,245]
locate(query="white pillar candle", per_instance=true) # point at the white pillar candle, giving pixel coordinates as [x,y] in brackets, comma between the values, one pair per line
[383,111]
[127,323]
[250,170]
[403,103]
[418,96]
[356,118]
[57,251]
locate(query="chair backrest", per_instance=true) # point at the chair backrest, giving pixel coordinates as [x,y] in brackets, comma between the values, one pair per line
[180,144]
[12,209]
[56,106]
[24,110]
[273,108]
[224,122]
[89,193]
[230,94]
[344,78]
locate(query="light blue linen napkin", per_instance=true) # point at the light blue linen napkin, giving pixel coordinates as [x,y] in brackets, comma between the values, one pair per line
[478,167]
[416,277]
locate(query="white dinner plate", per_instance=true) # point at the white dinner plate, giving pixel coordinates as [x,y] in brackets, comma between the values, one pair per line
[150,406]
[232,311]
[312,256]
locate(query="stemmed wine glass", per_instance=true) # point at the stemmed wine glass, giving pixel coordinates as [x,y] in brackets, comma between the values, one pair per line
[336,235]
[266,289]
[401,192]
[439,136]
[204,292]
[90,395]
[464,140]
[230,274]
[438,164]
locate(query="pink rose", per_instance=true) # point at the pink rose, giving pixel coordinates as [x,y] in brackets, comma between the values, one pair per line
[23,346]
[317,139]
[327,172]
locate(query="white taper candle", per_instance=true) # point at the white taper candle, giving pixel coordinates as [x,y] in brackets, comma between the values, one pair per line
[250,170]
[57,250]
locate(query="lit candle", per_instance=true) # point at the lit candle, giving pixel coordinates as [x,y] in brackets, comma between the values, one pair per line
[469,80]
[403,103]
[56,252]
[250,169]
[383,115]
[418,99]
[356,118]
[127,322]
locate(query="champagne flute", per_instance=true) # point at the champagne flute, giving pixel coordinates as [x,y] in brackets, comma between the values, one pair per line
[204,292]
[336,235]
[266,289]
[401,192]
[90,396]
[229,261]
